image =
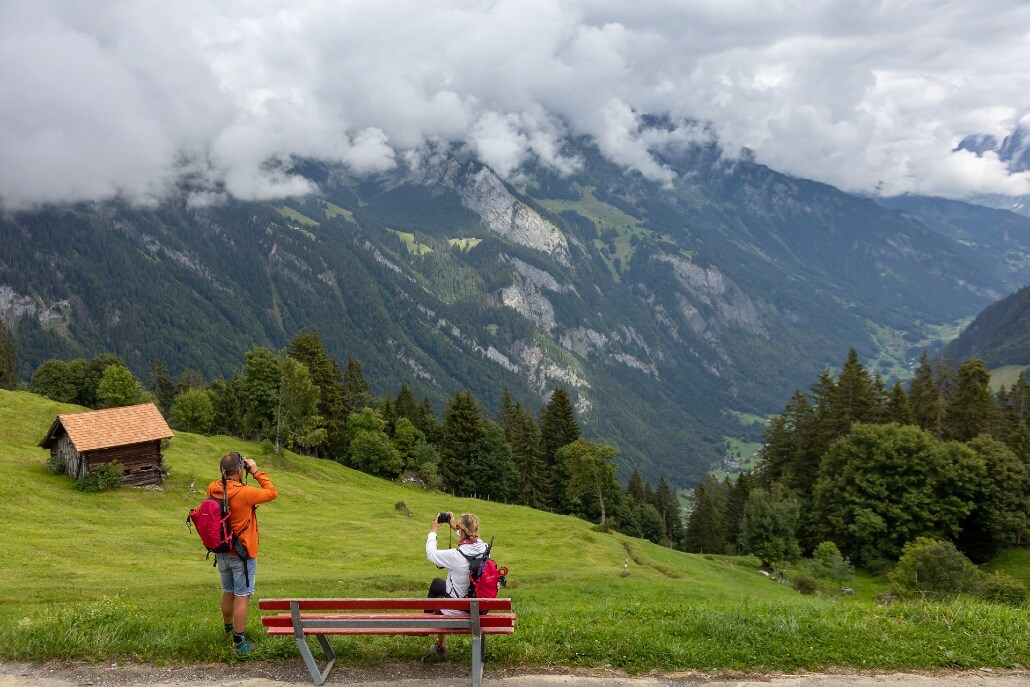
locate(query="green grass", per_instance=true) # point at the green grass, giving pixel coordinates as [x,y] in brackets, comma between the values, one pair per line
[1006,375]
[465,243]
[299,218]
[413,246]
[333,210]
[117,575]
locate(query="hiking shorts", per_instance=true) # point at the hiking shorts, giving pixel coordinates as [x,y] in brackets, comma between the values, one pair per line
[233,578]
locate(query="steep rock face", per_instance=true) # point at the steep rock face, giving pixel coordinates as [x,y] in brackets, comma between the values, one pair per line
[486,195]
[725,302]
[14,306]
[482,192]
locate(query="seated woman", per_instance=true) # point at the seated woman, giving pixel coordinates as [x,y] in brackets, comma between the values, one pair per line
[456,586]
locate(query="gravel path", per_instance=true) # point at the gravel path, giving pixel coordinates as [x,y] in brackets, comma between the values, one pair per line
[293,674]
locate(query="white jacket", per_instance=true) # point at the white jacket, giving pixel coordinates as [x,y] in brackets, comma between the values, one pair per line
[456,564]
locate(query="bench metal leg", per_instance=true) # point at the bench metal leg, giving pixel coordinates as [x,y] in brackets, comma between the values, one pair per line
[477,646]
[317,675]
[305,651]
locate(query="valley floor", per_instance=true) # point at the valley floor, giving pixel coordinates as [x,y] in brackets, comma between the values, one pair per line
[450,674]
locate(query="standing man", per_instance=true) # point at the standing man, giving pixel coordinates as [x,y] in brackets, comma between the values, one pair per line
[238,572]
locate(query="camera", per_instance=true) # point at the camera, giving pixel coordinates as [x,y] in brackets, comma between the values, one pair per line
[442,518]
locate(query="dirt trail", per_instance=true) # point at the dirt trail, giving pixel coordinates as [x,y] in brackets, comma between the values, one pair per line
[290,674]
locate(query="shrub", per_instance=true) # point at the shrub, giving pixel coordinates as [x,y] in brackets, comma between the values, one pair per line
[55,465]
[102,478]
[805,584]
[935,569]
[827,561]
[1000,588]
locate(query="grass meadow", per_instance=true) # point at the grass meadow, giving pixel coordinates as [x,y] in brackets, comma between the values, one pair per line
[117,576]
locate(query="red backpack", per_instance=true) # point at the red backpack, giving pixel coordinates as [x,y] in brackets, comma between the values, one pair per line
[485,576]
[211,520]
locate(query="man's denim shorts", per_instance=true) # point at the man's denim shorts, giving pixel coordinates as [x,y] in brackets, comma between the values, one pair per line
[233,579]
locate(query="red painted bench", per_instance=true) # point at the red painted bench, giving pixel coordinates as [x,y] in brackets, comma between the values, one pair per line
[323,617]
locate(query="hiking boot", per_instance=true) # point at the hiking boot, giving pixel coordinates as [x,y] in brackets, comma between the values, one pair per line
[437,650]
[243,648]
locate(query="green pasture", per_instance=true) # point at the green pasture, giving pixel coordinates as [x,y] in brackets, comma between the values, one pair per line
[1006,375]
[299,218]
[118,576]
[411,243]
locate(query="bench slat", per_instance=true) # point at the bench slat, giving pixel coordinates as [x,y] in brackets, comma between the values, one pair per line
[286,620]
[288,631]
[499,604]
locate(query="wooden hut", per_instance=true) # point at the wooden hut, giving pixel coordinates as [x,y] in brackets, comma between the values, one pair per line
[130,435]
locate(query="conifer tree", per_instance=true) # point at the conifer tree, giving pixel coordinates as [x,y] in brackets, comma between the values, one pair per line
[356,392]
[427,421]
[635,488]
[558,428]
[406,405]
[898,408]
[704,525]
[669,508]
[970,410]
[326,375]
[260,387]
[507,414]
[923,394]
[534,488]
[462,431]
[733,513]
[189,379]
[493,474]
[8,366]
[229,407]
[853,398]
[159,383]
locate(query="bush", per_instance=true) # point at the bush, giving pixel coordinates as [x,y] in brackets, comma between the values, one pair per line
[55,465]
[1000,588]
[805,584]
[935,569]
[827,561]
[102,478]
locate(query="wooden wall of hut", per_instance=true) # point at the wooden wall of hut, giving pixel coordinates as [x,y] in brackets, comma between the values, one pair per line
[142,462]
[64,449]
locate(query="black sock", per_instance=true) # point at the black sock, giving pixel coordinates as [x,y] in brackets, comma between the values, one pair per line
[237,637]
[228,627]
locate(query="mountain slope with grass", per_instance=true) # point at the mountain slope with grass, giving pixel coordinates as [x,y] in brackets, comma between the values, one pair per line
[116,575]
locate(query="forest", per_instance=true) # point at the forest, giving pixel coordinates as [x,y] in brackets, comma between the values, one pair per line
[873,470]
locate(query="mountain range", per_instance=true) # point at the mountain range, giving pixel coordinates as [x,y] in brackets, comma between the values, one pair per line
[678,313]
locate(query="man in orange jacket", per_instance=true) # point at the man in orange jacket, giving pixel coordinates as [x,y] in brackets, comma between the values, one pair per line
[237,573]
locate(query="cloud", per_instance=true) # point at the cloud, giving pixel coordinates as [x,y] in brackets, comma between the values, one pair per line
[120,98]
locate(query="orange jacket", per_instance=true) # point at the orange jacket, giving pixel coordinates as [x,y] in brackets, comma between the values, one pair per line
[243,500]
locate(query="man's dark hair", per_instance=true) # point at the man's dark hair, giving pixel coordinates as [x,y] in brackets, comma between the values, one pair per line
[231,462]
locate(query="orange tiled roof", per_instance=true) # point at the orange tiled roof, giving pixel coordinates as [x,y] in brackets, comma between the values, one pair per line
[97,429]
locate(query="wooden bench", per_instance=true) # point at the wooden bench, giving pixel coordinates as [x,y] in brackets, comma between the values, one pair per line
[323,617]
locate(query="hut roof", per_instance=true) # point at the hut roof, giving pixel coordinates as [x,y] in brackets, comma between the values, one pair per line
[97,429]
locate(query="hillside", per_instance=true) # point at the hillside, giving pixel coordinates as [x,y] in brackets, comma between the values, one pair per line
[1000,335]
[119,575]
[667,310]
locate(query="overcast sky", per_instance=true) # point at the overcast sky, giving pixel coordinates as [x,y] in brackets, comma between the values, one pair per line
[110,97]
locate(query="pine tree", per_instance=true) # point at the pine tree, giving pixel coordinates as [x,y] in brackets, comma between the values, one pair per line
[970,410]
[8,365]
[493,474]
[704,525]
[635,488]
[923,394]
[898,408]
[160,384]
[326,375]
[507,414]
[356,392]
[558,428]
[406,405]
[853,398]
[669,508]
[733,514]
[534,488]
[462,431]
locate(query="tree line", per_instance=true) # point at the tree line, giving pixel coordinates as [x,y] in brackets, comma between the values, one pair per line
[872,469]
[302,399]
